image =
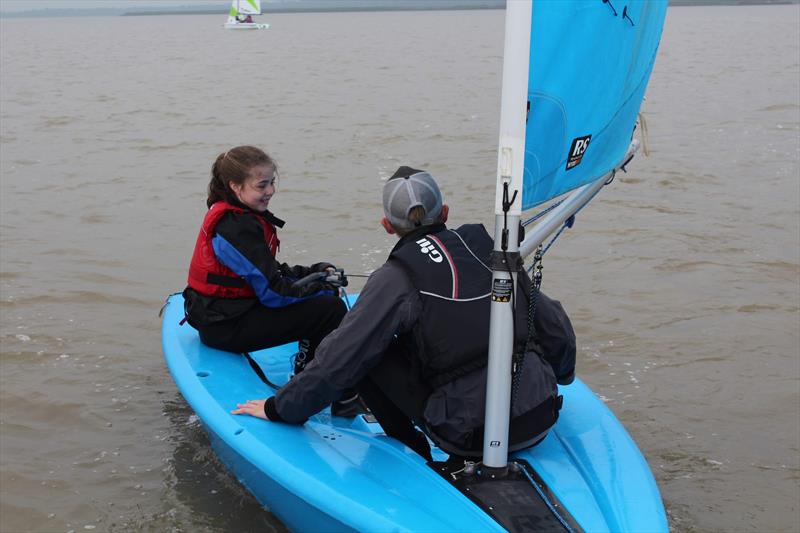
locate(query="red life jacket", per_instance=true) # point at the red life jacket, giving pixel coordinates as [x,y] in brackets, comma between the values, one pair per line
[210,277]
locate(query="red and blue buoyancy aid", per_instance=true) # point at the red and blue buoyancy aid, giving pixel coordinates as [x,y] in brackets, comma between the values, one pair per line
[210,277]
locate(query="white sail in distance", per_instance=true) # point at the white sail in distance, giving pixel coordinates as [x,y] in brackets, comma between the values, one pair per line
[244,7]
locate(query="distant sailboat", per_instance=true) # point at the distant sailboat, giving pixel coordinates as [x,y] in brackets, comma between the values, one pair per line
[240,17]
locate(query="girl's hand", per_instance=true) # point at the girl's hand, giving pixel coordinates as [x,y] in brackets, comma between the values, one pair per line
[252,407]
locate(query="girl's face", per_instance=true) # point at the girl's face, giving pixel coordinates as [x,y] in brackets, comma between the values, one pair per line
[257,189]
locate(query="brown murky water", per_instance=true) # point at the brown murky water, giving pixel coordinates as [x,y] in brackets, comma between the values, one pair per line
[683,278]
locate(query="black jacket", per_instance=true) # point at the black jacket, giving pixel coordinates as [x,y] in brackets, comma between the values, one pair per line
[389,306]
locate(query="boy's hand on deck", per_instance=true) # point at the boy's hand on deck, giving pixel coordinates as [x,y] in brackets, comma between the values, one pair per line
[251,407]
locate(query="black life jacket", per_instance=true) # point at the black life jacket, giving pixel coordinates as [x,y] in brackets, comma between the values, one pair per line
[450,269]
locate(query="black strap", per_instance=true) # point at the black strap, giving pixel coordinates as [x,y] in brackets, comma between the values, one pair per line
[440,378]
[453,374]
[225,281]
[272,219]
[259,372]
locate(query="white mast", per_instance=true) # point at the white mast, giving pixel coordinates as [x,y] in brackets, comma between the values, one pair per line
[510,164]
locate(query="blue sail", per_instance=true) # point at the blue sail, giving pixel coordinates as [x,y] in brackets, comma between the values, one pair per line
[590,61]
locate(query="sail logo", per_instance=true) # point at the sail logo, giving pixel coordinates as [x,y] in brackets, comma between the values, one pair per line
[576,151]
[427,248]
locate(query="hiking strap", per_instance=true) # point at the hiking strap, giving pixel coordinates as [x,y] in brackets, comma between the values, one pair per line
[259,372]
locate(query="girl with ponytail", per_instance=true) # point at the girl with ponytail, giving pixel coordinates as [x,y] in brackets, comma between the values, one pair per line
[239,297]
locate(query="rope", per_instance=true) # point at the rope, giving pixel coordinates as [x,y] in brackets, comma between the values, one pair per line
[540,214]
[567,224]
[645,135]
[519,358]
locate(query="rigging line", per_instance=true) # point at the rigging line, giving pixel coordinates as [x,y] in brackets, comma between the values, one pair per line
[643,134]
[547,501]
[540,214]
[532,336]
[515,356]
[166,303]
[567,224]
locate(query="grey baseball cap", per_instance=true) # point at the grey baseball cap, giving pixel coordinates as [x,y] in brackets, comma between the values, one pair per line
[406,189]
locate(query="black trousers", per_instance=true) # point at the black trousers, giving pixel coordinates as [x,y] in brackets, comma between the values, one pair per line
[265,327]
[395,395]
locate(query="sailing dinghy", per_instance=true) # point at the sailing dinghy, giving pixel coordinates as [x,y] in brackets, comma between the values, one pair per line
[242,10]
[574,78]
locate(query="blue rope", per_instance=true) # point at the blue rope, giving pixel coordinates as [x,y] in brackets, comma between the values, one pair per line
[567,224]
[540,214]
[547,501]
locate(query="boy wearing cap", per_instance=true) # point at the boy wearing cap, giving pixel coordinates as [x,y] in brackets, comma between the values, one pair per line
[415,343]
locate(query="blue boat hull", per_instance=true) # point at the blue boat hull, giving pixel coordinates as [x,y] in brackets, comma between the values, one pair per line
[337,474]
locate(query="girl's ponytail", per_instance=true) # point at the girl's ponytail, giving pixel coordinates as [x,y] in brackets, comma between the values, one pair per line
[217,187]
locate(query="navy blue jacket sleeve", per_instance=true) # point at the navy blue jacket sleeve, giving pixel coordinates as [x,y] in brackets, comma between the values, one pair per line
[239,245]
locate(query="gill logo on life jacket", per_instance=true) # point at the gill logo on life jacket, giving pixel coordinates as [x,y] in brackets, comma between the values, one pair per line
[430,250]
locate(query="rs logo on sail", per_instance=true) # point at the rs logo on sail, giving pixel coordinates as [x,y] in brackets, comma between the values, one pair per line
[579,146]
[426,247]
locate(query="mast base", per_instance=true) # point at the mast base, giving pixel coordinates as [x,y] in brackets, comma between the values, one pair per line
[515,496]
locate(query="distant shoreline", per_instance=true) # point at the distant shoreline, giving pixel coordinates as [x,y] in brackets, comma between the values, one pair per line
[322,9]
[434,7]
[319,10]
[325,7]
